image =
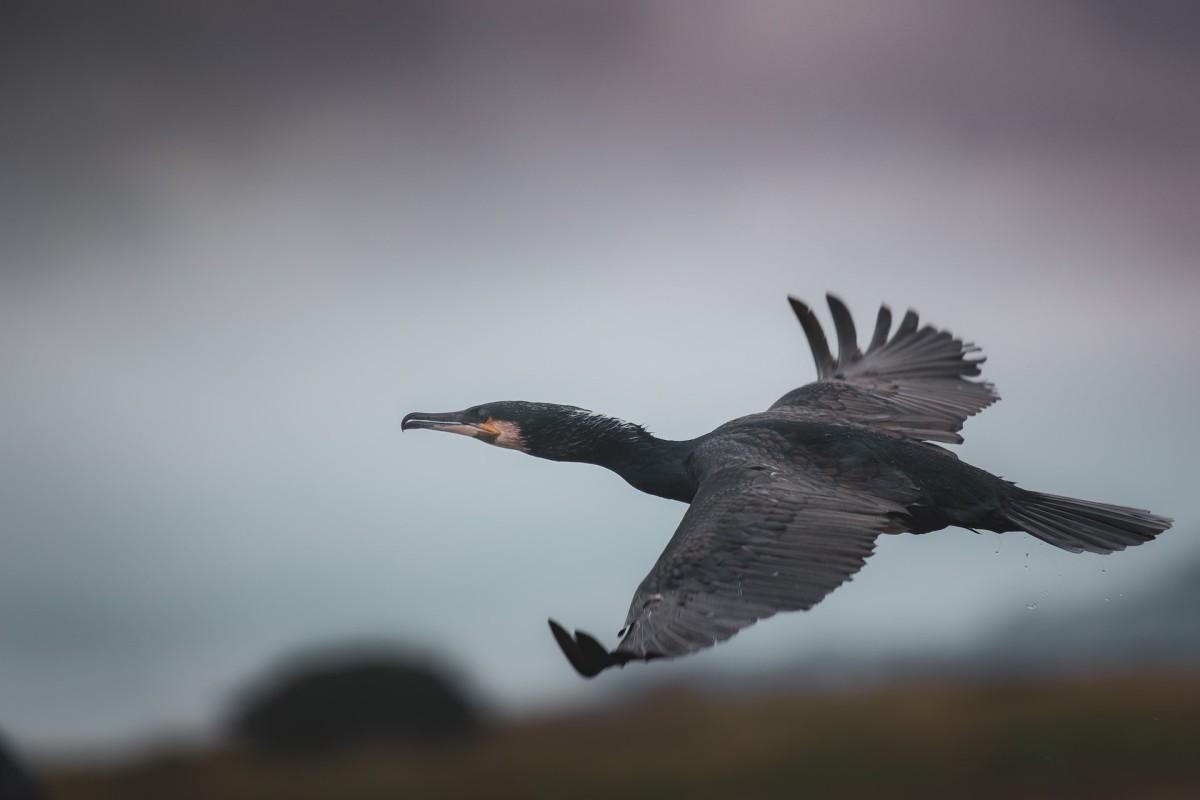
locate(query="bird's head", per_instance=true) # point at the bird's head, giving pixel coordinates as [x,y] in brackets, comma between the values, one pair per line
[500,423]
[546,430]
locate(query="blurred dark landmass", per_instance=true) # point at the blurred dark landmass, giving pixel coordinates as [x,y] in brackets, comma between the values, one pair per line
[354,697]
[16,782]
[1099,701]
[1115,737]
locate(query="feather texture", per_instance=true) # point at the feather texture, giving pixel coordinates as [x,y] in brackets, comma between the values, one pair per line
[760,537]
[915,384]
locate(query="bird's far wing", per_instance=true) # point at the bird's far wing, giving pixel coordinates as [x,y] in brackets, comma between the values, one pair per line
[914,384]
[756,540]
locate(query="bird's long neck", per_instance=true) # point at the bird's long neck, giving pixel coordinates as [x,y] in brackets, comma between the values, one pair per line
[648,463]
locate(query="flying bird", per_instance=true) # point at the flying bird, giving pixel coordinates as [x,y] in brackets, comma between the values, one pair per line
[786,504]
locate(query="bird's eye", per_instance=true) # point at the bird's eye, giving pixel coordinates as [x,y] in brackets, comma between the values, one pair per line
[482,414]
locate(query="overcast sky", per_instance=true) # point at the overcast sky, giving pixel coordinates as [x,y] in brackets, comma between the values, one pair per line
[237,247]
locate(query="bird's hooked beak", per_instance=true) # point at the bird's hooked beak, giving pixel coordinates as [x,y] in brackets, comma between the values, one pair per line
[452,422]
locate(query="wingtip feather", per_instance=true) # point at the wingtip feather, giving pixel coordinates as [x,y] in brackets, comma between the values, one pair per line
[815,335]
[585,654]
[883,326]
[847,335]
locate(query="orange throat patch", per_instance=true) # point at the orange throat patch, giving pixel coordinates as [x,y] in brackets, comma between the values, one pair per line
[508,434]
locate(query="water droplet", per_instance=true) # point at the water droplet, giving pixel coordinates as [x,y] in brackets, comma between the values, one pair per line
[1107,599]
[1031,606]
[997,552]
[1103,570]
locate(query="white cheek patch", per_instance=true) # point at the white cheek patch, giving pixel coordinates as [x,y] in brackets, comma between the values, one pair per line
[510,435]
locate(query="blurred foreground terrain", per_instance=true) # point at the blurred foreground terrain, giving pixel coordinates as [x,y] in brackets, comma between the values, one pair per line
[1117,736]
[1099,700]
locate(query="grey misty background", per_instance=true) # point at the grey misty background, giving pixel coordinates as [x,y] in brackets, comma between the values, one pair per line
[238,242]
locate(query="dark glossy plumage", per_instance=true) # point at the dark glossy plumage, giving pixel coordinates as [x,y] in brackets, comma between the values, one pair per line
[786,504]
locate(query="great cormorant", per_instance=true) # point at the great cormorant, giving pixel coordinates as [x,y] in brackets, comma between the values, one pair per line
[786,503]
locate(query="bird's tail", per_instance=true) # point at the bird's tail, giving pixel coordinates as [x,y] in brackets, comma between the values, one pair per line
[1081,525]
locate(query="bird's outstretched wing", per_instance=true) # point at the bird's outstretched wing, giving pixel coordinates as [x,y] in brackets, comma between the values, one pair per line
[757,539]
[914,384]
